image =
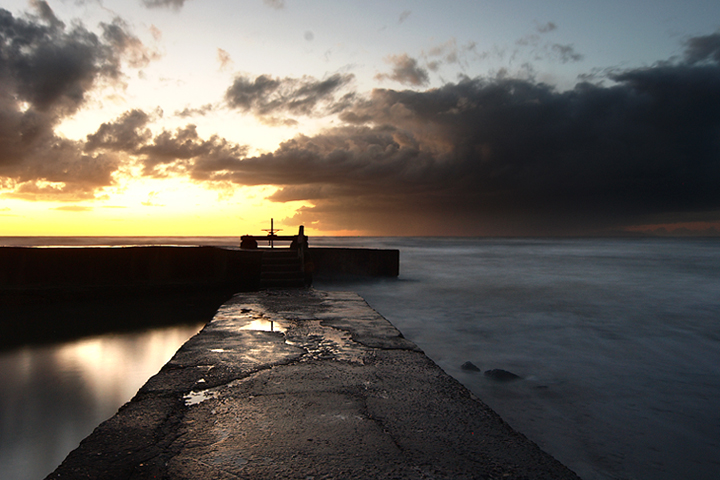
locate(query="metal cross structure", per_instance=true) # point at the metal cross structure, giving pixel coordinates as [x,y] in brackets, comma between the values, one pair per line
[271,232]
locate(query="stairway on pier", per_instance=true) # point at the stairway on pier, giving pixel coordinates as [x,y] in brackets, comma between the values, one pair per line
[282,268]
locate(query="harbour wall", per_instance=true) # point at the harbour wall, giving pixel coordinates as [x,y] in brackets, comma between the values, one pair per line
[57,294]
[156,266]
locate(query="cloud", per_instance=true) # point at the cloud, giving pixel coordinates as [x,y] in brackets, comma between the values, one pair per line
[546,50]
[175,152]
[276,4]
[172,4]
[118,36]
[47,72]
[566,53]
[508,156]
[169,153]
[224,59]
[73,208]
[547,27]
[703,48]
[47,14]
[309,36]
[404,16]
[125,134]
[450,53]
[500,155]
[151,201]
[192,112]
[405,71]
[267,97]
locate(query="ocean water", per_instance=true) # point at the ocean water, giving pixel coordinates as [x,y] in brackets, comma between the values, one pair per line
[55,395]
[616,341]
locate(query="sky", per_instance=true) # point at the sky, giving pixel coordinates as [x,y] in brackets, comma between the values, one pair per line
[482,118]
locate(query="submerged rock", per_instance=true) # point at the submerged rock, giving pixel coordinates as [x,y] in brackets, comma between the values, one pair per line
[501,375]
[469,366]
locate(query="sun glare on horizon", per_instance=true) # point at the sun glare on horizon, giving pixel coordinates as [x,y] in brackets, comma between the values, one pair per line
[184,118]
[150,207]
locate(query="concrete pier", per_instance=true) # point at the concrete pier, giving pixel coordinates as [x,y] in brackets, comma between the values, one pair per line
[304,384]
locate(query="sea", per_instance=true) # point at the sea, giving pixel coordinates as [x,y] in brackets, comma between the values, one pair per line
[616,342]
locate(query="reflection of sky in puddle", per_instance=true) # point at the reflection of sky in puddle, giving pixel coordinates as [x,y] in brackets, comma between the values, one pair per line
[193,398]
[264,325]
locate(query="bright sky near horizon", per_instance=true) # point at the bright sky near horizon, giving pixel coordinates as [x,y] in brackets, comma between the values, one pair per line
[189,117]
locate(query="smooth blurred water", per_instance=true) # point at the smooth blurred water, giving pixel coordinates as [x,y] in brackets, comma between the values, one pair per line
[54,396]
[617,341]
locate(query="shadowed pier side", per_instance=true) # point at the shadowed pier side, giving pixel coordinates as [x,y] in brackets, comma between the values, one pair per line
[298,384]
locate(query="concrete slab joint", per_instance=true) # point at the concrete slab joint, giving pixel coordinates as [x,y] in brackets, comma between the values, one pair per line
[304,384]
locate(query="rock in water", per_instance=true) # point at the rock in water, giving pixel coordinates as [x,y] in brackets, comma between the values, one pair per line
[470,367]
[501,375]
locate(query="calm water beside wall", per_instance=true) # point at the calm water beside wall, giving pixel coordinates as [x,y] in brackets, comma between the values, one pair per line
[617,341]
[54,396]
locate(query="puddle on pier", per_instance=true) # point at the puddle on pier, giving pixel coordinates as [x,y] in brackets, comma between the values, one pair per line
[193,398]
[263,324]
[320,341]
[249,319]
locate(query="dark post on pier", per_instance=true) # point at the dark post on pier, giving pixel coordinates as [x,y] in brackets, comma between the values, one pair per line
[282,267]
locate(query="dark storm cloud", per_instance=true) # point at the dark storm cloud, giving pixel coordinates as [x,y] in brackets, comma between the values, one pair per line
[405,71]
[268,97]
[182,152]
[46,71]
[703,48]
[126,134]
[46,13]
[510,156]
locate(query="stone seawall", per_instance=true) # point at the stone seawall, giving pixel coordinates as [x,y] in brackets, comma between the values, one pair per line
[30,267]
[128,266]
[304,384]
[55,294]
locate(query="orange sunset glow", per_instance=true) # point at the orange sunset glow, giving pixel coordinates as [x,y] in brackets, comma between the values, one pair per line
[174,117]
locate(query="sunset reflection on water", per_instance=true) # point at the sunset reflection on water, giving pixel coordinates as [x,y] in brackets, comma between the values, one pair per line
[56,395]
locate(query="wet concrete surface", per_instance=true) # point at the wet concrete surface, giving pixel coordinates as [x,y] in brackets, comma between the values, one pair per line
[305,384]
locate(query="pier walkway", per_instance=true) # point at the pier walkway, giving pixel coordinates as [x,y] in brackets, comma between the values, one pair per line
[304,384]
